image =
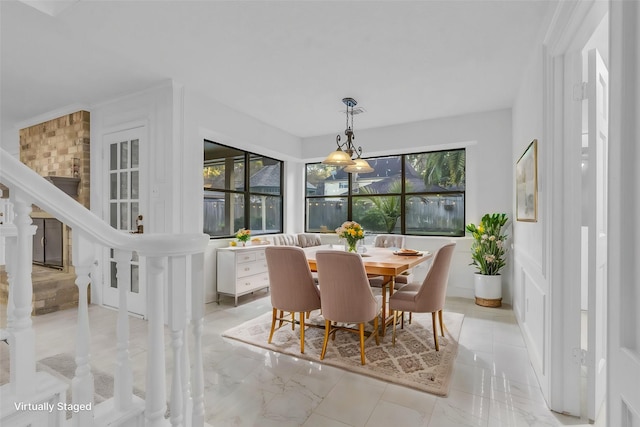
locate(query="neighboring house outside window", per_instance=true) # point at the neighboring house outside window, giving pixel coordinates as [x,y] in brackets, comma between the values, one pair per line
[413,194]
[231,204]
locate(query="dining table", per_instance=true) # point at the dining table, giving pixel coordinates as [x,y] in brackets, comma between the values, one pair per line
[385,262]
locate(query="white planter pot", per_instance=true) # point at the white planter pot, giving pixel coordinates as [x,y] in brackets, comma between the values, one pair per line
[488,290]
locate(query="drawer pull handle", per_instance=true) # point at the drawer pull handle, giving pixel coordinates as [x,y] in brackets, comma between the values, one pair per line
[247,269]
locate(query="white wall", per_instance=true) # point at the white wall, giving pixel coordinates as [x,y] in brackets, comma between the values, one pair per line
[531,293]
[204,118]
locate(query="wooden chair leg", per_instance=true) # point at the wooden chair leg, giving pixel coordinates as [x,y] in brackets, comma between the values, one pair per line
[410,317]
[402,319]
[281,318]
[293,321]
[273,323]
[441,323]
[308,314]
[435,330]
[327,329]
[302,315]
[361,327]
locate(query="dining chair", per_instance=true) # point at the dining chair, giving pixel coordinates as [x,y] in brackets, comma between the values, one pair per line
[292,287]
[390,241]
[428,297]
[346,296]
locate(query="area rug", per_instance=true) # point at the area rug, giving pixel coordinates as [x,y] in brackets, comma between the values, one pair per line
[413,362]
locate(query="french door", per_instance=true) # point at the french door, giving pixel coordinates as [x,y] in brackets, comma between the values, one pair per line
[125,202]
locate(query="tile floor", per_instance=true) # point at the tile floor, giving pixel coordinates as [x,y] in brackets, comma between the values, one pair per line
[493,382]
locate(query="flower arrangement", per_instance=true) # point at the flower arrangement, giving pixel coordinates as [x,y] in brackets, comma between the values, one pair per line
[243,235]
[489,248]
[351,231]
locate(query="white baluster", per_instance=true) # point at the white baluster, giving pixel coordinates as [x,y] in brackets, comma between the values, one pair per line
[197,316]
[10,260]
[186,374]
[22,337]
[155,405]
[177,418]
[177,320]
[123,379]
[82,386]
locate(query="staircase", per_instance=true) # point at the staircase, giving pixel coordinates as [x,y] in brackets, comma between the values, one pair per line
[173,261]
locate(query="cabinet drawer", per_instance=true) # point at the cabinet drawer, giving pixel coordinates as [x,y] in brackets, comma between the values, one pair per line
[251,268]
[247,284]
[245,257]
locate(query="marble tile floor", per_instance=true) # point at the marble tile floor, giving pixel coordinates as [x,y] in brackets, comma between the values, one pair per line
[493,382]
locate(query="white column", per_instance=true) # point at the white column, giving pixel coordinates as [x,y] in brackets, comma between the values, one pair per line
[22,338]
[197,316]
[123,378]
[155,405]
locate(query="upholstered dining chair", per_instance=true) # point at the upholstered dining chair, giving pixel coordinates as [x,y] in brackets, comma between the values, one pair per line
[428,297]
[292,287]
[346,296]
[390,241]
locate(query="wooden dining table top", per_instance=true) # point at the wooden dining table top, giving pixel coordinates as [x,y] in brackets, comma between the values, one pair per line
[377,261]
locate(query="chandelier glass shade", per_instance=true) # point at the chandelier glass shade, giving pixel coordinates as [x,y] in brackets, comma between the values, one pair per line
[343,156]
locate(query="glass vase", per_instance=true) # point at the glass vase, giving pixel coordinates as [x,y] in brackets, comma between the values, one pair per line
[351,246]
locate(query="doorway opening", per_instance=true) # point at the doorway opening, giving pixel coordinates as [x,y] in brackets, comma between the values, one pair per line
[594,160]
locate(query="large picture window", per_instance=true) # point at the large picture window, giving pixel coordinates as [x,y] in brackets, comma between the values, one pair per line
[414,194]
[241,190]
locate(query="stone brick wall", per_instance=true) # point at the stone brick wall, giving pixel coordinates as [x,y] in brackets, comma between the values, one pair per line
[55,146]
[58,147]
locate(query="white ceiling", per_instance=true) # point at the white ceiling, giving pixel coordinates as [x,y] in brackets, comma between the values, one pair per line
[286,63]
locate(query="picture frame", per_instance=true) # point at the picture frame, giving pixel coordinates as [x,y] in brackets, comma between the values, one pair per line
[527,184]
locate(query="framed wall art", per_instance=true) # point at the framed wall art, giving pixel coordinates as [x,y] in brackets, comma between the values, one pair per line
[527,184]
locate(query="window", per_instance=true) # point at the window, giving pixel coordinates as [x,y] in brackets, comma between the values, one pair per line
[415,194]
[241,190]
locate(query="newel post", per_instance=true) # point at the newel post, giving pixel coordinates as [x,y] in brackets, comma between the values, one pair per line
[22,337]
[177,295]
[155,404]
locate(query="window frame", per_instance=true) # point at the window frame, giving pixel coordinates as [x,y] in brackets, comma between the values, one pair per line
[247,157]
[350,197]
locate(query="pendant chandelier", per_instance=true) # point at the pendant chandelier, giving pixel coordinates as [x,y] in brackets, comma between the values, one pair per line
[344,157]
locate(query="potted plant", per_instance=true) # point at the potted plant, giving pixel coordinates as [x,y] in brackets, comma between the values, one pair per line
[488,253]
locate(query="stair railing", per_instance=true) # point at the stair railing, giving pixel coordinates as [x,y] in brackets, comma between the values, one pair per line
[176,260]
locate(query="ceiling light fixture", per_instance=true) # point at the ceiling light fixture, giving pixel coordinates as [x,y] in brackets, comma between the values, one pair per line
[342,157]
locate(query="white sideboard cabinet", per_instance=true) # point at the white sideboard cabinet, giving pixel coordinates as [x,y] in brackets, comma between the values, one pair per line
[241,270]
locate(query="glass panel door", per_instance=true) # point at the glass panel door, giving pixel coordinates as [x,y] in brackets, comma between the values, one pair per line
[122,157]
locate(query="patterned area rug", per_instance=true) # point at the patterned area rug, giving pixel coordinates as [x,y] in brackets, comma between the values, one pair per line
[413,362]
